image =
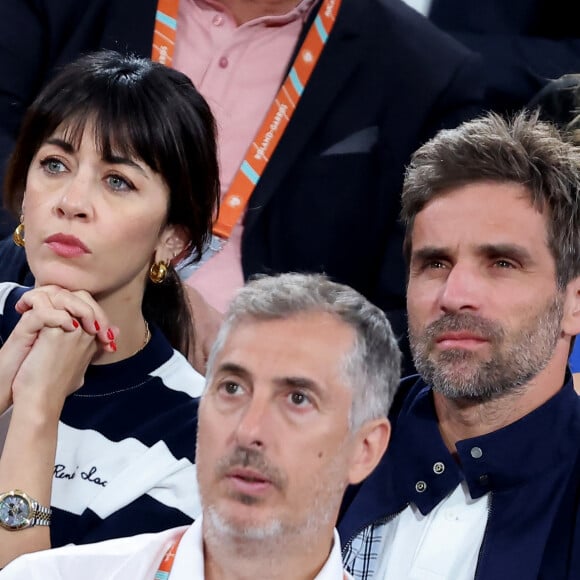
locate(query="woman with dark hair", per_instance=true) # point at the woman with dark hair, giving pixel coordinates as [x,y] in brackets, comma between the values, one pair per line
[114,175]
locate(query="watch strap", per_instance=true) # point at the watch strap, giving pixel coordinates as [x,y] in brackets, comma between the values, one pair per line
[41,514]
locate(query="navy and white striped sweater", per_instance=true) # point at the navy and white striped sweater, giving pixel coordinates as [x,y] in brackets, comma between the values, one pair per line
[126,443]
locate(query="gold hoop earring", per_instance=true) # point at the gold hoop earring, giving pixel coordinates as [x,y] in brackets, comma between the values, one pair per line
[18,235]
[158,272]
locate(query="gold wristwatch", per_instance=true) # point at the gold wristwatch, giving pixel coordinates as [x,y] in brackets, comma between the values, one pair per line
[19,511]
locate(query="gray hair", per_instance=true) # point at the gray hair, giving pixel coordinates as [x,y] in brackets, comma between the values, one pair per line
[522,150]
[373,366]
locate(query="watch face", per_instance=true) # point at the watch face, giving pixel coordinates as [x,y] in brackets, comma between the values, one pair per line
[14,511]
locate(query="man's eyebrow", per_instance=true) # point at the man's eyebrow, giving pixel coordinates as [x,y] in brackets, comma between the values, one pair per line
[513,251]
[507,250]
[428,253]
[233,368]
[283,382]
[301,383]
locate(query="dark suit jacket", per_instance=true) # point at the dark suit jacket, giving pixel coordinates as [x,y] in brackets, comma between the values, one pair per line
[524,43]
[329,198]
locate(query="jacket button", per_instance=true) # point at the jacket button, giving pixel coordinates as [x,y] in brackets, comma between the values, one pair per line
[420,486]
[476,452]
[438,467]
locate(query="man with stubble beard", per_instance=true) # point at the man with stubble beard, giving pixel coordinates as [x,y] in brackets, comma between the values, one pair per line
[482,477]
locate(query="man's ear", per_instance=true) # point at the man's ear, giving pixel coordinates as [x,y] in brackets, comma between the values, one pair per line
[571,314]
[173,241]
[369,446]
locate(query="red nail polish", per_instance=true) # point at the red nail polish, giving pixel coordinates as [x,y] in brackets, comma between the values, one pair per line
[97,326]
[75,323]
[110,334]
[113,346]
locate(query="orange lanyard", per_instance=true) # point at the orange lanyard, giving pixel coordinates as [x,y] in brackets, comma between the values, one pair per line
[167,562]
[165,32]
[278,117]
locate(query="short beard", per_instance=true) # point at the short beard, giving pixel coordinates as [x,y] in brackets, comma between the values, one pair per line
[218,525]
[269,536]
[515,358]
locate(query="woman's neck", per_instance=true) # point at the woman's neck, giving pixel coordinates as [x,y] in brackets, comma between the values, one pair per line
[130,329]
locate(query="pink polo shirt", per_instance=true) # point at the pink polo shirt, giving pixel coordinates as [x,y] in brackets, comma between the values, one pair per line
[238,69]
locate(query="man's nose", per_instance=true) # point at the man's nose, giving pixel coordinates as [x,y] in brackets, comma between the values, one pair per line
[254,423]
[462,290]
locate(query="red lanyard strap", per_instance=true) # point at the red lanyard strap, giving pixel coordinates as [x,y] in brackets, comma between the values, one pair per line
[166,563]
[278,116]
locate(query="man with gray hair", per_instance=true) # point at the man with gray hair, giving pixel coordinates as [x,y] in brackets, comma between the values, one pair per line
[482,478]
[299,385]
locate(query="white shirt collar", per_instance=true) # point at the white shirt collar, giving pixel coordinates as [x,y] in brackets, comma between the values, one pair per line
[189,557]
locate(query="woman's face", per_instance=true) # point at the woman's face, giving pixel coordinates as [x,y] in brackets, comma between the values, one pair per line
[92,223]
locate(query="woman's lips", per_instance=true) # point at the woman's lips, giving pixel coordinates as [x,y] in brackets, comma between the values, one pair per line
[66,246]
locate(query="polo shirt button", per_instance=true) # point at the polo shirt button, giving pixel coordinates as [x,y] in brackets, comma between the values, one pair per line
[223,62]
[438,467]
[476,452]
[218,20]
[420,486]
